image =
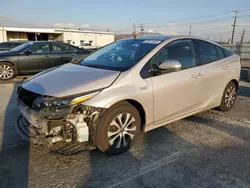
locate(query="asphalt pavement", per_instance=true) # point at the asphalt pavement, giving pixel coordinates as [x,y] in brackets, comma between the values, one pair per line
[210,149]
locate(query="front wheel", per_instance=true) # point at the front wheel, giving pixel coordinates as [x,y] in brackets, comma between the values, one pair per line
[118,128]
[229,97]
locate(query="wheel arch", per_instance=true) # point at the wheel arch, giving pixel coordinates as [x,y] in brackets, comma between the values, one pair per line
[236,83]
[138,106]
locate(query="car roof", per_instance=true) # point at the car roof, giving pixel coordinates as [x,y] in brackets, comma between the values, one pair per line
[156,37]
[16,41]
[43,41]
[166,37]
[40,41]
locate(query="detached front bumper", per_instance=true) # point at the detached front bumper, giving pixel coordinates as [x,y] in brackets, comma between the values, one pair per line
[27,132]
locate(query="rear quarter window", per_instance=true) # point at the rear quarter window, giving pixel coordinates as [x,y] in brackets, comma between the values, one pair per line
[206,51]
[220,52]
[227,52]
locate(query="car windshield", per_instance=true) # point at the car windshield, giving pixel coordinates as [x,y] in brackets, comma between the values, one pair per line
[121,55]
[21,47]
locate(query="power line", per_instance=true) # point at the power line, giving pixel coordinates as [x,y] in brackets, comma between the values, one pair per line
[218,33]
[188,23]
[243,25]
[194,18]
[248,15]
[211,28]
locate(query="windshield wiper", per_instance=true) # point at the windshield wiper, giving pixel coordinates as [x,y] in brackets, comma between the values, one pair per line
[96,66]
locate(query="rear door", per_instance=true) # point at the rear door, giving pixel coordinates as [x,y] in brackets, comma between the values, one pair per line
[37,60]
[213,68]
[61,54]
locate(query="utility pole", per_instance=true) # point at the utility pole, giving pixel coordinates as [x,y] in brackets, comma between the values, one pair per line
[242,36]
[235,18]
[142,30]
[207,37]
[190,32]
[220,38]
[134,30]
[214,37]
[3,34]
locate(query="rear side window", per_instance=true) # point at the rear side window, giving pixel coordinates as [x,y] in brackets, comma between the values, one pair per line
[62,48]
[227,52]
[206,51]
[219,52]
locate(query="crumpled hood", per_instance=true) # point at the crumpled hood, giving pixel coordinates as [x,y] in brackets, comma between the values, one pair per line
[70,79]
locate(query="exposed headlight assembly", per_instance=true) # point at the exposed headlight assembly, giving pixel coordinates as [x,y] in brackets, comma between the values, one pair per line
[55,104]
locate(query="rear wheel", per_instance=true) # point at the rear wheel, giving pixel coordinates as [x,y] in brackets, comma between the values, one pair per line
[118,128]
[7,71]
[229,97]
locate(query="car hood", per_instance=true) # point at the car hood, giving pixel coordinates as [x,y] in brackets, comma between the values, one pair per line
[70,79]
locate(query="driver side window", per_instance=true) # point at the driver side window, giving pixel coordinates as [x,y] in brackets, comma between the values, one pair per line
[181,50]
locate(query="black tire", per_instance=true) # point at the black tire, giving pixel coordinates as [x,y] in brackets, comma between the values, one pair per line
[104,128]
[225,104]
[11,68]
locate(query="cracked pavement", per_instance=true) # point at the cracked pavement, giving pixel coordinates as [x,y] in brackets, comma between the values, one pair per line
[210,149]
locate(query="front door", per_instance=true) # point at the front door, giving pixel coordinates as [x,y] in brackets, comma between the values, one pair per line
[176,93]
[36,60]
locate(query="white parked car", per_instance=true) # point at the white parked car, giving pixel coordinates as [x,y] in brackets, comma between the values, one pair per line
[129,86]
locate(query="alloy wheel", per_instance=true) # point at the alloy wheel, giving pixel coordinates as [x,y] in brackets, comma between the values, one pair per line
[121,130]
[6,72]
[230,96]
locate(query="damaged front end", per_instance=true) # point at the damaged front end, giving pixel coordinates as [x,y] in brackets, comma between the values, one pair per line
[48,120]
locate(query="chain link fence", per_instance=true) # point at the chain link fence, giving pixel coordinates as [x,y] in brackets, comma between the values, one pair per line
[243,50]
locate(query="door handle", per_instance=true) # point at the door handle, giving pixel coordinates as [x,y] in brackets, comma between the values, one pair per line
[196,75]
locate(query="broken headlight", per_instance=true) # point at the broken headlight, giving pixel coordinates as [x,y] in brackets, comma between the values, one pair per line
[55,104]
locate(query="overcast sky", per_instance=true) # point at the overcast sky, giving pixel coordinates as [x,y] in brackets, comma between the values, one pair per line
[158,15]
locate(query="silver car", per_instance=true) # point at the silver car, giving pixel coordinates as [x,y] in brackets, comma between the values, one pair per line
[132,85]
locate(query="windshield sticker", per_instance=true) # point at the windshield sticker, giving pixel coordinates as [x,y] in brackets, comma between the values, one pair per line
[152,41]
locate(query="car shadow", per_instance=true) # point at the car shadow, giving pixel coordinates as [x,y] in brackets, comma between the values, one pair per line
[153,150]
[168,158]
[232,129]
[14,153]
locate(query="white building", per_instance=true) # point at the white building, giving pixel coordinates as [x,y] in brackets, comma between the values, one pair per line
[80,38]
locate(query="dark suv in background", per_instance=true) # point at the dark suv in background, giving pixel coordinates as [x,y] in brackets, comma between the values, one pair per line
[33,57]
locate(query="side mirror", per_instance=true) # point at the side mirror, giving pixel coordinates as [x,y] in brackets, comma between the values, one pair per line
[28,52]
[170,65]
